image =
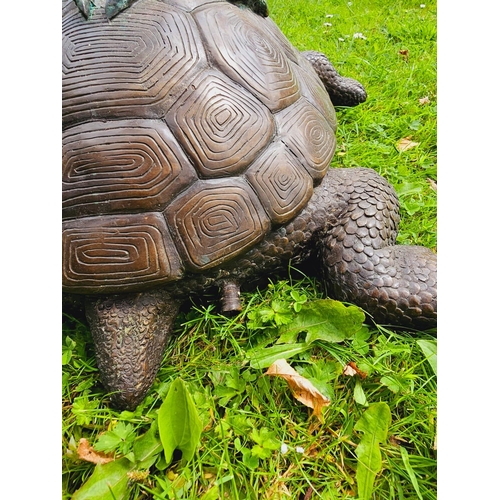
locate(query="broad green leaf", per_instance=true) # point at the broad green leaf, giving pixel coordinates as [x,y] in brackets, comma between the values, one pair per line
[374,423]
[323,319]
[107,482]
[409,469]
[178,422]
[264,357]
[429,348]
[359,341]
[147,447]
[392,383]
[359,394]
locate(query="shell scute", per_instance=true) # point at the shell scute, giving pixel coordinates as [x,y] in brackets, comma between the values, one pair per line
[118,252]
[122,166]
[283,185]
[190,129]
[220,125]
[249,55]
[216,220]
[117,69]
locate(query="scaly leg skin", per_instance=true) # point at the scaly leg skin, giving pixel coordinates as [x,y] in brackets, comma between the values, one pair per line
[130,332]
[396,284]
[343,91]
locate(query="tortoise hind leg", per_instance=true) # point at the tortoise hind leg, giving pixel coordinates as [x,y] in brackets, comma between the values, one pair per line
[396,284]
[130,332]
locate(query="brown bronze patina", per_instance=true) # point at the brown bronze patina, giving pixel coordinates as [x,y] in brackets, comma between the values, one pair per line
[197,144]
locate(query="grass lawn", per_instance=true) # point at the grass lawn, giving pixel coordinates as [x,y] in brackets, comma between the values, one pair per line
[257,440]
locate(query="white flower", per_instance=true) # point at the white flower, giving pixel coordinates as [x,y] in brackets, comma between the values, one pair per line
[299,449]
[341,39]
[349,4]
[327,24]
[359,35]
[329,15]
[422,5]
[284,448]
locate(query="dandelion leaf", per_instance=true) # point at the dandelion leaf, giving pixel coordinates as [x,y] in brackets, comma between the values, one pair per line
[178,422]
[374,424]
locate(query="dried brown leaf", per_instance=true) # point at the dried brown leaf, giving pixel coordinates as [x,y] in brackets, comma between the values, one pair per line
[278,490]
[433,184]
[406,143]
[424,100]
[302,389]
[404,53]
[397,441]
[351,369]
[87,453]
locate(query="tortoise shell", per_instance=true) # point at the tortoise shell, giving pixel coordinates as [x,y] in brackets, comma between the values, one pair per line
[191,128]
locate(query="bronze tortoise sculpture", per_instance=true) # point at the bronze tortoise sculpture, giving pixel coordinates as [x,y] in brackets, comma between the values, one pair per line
[196,153]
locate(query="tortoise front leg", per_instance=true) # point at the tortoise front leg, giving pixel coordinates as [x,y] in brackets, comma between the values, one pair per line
[343,91]
[396,284]
[130,332]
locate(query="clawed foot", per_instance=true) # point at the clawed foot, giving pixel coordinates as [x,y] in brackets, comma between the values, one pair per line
[130,332]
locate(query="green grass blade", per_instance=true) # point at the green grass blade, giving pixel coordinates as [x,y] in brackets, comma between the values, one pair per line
[411,473]
[265,357]
[429,348]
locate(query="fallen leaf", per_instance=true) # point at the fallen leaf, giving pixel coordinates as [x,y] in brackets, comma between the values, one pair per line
[406,143]
[301,387]
[351,369]
[424,100]
[433,184]
[396,440]
[309,493]
[87,453]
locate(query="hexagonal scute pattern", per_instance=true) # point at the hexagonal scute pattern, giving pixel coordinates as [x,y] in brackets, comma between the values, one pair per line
[249,55]
[308,134]
[121,166]
[220,125]
[216,220]
[118,253]
[314,92]
[117,69]
[190,127]
[283,185]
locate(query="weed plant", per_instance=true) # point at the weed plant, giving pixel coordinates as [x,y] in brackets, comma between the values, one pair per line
[258,442]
